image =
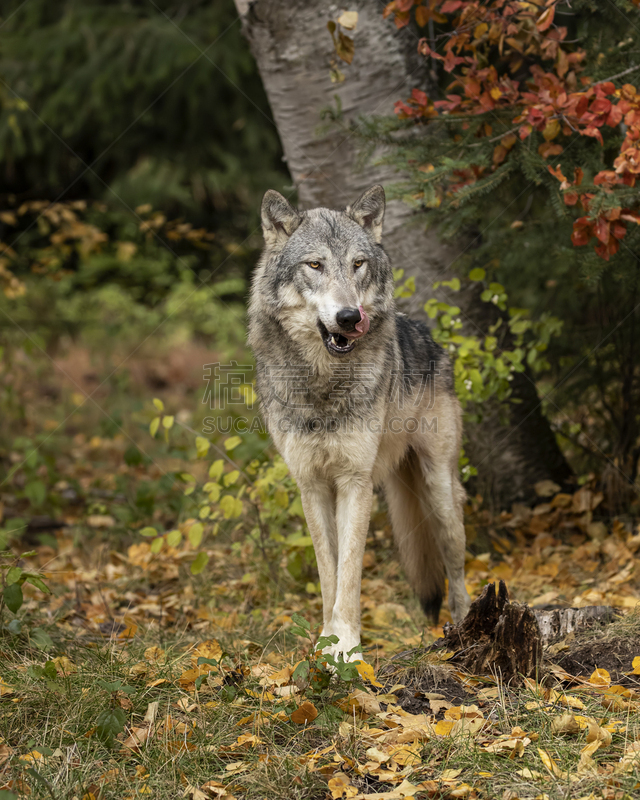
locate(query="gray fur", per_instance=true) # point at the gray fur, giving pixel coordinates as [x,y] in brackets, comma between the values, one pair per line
[339,444]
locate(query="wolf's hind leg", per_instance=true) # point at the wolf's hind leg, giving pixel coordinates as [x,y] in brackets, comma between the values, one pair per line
[319,504]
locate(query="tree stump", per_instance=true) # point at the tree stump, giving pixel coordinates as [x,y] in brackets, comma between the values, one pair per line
[497,637]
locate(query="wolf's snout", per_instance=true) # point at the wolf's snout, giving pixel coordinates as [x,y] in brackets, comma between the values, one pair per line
[348,317]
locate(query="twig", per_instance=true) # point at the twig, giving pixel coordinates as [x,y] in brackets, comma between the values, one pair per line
[619,75]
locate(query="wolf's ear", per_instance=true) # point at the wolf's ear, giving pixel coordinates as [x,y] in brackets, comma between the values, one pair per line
[279,218]
[368,211]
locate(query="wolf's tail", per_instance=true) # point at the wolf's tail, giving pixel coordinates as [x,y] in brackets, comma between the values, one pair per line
[419,553]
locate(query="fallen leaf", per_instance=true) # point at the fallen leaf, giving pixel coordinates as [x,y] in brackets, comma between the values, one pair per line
[305,713]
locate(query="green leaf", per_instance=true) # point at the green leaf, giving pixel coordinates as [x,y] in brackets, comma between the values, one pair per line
[156,545]
[326,641]
[301,672]
[36,580]
[41,639]
[110,723]
[155,424]
[36,492]
[167,422]
[232,443]
[158,404]
[13,575]
[109,686]
[13,597]
[301,621]
[231,507]
[231,477]
[196,532]
[174,538]
[477,274]
[199,563]
[148,531]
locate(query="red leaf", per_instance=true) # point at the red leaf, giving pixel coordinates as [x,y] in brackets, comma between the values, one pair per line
[619,230]
[557,172]
[544,21]
[606,178]
[581,232]
[570,198]
[601,229]
[450,6]
[420,97]
[591,131]
[615,116]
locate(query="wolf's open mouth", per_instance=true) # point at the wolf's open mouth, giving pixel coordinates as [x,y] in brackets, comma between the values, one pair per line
[336,343]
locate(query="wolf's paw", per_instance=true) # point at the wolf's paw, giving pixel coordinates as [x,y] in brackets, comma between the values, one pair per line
[347,647]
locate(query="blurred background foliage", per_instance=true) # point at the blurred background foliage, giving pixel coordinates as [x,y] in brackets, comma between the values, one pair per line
[135,144]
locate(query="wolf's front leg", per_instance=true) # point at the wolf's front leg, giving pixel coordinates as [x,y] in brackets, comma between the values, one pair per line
[353,507]
[319,504]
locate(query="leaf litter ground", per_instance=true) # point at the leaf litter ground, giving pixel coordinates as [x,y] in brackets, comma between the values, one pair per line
[134,678]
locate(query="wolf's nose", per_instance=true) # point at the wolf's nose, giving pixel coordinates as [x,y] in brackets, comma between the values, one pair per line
[348,317]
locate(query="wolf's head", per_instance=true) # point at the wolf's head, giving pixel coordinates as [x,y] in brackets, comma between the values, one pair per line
[324,272]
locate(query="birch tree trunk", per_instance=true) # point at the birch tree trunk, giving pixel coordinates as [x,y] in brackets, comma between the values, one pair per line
[294,50]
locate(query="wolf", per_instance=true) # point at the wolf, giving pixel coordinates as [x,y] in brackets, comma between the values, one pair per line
[356,396]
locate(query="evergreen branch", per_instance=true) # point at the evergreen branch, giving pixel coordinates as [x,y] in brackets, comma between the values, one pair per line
[483,186]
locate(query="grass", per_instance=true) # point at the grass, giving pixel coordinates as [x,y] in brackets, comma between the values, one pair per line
[105,704]
[239,735]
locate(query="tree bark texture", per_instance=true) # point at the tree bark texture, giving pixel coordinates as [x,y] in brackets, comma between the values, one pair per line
[294,50]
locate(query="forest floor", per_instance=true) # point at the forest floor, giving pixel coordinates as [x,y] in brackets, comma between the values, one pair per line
[133,677]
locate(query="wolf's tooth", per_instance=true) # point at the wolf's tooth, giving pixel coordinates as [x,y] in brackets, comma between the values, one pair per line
[333,339]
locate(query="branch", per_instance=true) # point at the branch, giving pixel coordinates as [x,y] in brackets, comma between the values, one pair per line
[619,75]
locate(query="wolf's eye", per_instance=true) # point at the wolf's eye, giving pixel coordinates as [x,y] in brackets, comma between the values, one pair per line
[358,263]
[314,264]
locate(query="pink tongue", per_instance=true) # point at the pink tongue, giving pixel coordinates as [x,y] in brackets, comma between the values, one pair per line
[361,327]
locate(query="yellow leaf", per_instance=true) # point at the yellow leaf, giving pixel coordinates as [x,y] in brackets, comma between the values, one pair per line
[600,678]
[195,534]
[305,713]
[366,672]
[64,665]
[551,129]
[444,727]
[153,428]
[480,30]
[34,755]
[167,422]
[636,666]
[158,404]
[550,764]
[216,469]
[208,649]
[348,20]
[202,446]
[232,443]
[231,477]
[5,689]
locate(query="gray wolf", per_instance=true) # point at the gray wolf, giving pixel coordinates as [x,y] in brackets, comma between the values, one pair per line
[342,380]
